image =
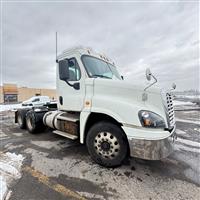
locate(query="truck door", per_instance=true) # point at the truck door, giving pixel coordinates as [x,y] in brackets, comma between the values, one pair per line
[71,92]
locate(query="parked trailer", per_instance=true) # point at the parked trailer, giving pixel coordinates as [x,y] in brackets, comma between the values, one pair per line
[115,119]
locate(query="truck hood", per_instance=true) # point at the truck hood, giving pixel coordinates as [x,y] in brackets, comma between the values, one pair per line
[124,85]
[123,100]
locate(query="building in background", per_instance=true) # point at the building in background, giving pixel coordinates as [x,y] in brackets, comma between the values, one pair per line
[10,93]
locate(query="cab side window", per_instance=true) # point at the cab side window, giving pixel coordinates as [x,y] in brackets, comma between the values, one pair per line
[74,70]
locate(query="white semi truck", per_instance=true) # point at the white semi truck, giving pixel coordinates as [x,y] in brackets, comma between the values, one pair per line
[114,118]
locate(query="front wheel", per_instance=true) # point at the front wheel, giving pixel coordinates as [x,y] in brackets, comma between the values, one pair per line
[107,144]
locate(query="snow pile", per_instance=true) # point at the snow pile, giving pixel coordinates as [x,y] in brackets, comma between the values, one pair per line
[189,142]
[188,96]
[3,188]
[9,107]
[185,103]
[186,144]
[188,121]
[10,167]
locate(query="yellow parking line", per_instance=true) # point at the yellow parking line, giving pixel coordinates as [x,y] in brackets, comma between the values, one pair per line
[56,187]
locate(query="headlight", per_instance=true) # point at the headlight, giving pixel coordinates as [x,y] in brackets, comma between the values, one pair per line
[149,119]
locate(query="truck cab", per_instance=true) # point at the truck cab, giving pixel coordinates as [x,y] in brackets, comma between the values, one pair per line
[114,118]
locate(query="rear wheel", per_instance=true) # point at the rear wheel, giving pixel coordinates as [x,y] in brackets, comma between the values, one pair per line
[32,124]
[21,119]
[107,144]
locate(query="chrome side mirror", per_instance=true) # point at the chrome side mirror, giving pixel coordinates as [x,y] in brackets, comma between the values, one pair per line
[148,74]
[173,86]
[148,77]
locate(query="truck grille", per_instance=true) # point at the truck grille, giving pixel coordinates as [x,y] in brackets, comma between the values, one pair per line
[170,109]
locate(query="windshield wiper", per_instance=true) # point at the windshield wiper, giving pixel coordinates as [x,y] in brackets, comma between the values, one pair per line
[99,75]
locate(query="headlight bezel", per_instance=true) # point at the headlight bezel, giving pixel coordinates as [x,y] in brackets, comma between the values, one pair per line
[149,119]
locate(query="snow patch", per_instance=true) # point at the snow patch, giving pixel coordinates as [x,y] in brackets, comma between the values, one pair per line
[197,129]
[91,195]
[9,107]
[185,148]
[3,135]
[180,132]
[180,103]
[189,142]
[187,145]
[18,134]
[10,167]
[9,170]
[188,96]
[3,188]
[188,121]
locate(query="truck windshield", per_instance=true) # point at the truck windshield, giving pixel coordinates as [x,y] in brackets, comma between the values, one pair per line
[99,68]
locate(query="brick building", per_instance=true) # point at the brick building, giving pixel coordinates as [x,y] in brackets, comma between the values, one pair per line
[10,93]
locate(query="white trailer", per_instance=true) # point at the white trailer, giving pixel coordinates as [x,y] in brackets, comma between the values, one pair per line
[115,119]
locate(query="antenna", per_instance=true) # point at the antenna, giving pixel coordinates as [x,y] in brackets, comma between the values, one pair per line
[56,48]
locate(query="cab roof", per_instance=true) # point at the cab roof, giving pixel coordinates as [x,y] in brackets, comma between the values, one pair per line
[84,51]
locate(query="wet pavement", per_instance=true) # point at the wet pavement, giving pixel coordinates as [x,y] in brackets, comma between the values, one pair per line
[56,168]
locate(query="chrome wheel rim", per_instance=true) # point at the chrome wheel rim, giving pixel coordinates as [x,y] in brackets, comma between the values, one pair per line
[106,145]
[19,119]
[29,123]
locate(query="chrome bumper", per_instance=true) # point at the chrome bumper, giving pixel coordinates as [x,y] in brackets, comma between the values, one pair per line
[152,149]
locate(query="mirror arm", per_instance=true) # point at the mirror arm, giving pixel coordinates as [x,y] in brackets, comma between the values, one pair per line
[155,81]
[172,89]
[75,86]
[71,85]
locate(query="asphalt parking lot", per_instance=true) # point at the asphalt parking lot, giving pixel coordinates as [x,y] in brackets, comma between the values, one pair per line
[56,168]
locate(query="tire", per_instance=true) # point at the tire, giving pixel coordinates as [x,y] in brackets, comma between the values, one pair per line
[33,124]
[107,144]
[21,119]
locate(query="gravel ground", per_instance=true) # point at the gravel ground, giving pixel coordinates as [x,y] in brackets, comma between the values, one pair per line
[56,168]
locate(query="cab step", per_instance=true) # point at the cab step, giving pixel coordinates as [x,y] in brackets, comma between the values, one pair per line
[67,135]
